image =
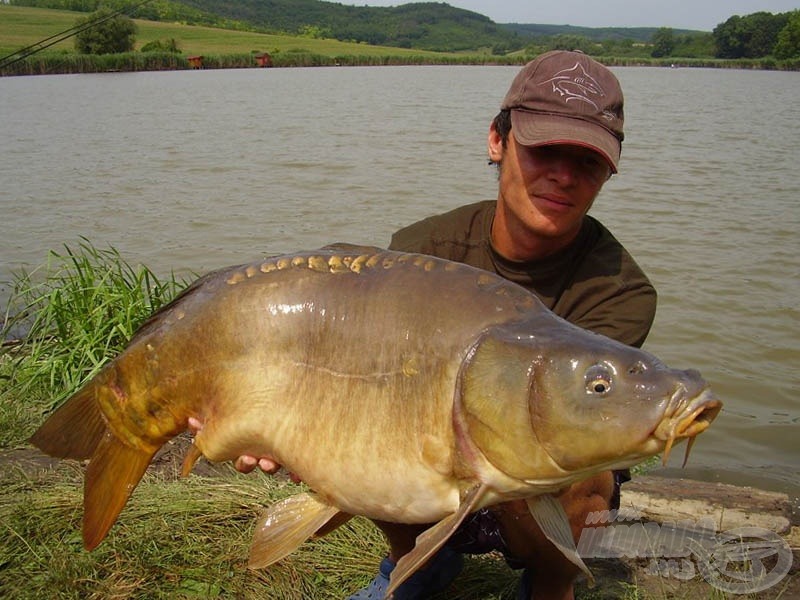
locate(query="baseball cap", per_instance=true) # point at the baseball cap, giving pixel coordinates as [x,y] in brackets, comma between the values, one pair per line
[564,97]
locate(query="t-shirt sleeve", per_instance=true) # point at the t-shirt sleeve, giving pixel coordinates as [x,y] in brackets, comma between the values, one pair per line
[610,294]
[626,315]
[414,238]
[456,235]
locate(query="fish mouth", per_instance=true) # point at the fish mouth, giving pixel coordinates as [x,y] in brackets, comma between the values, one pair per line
[686,417]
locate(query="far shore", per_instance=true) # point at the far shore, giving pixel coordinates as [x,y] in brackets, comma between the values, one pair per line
[70,63]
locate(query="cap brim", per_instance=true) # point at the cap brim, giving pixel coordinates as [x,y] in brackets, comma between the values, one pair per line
[538,129]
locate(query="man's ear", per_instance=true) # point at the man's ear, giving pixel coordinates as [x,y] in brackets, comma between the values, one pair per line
[495,145]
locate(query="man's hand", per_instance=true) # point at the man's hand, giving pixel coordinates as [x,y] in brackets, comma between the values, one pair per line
[246,462]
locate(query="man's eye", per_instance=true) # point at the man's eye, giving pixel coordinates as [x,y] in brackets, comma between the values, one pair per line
[595,167]
[592,163]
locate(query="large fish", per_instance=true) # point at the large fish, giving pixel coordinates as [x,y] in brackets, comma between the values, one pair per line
[397,386]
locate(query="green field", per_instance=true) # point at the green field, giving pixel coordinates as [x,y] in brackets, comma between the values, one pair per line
[22,26]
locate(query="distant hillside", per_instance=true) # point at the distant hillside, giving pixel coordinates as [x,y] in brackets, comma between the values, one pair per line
[598,34]
[433,26]
[428,26]
[423,25]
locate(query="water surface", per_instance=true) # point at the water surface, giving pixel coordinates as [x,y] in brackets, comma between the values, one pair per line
[189,171]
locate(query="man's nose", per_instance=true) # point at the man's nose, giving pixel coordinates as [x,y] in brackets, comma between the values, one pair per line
[562,167]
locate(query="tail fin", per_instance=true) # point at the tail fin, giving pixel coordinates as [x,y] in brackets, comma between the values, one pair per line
[74,430]
[113,472]
[78,430]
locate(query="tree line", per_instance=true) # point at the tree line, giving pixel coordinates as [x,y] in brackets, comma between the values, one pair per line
[759,34]
[756,35]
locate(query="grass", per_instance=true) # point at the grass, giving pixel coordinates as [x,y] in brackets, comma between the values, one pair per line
[184,538]
[23,26]
[72,315]
[79,310]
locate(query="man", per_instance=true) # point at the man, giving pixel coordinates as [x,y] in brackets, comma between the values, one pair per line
[556,141]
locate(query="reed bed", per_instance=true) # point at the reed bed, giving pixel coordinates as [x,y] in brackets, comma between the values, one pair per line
[64,63]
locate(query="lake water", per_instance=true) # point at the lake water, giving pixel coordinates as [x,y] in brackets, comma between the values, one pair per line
[189,171]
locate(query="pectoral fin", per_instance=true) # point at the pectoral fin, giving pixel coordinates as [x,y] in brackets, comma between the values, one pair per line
[429,542]
[554,523]
[334,523]
[287,524]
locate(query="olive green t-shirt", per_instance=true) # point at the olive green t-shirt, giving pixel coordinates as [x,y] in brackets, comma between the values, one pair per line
[594,283]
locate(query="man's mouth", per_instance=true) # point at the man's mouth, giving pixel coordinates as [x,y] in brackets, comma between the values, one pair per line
[552,201]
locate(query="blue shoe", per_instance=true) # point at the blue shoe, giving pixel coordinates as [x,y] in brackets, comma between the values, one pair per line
[525,585]
[437,575]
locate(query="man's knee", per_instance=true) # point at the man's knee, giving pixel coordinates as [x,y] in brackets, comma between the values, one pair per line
[524,538]
[586,497]
[400,536]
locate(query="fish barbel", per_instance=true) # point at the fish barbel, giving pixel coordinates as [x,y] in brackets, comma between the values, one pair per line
[397,386]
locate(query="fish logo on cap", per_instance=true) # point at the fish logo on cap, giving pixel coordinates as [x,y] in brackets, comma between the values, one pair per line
[576,84]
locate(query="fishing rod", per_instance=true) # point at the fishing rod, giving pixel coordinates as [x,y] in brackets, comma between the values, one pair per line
[24,53]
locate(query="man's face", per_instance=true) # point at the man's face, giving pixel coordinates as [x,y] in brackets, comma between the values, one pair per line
[544,193]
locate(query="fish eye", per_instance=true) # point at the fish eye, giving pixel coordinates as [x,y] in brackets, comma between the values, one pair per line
[598,380]
[599,386]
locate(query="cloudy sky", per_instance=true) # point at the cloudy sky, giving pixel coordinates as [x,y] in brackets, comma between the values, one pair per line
[702,15]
